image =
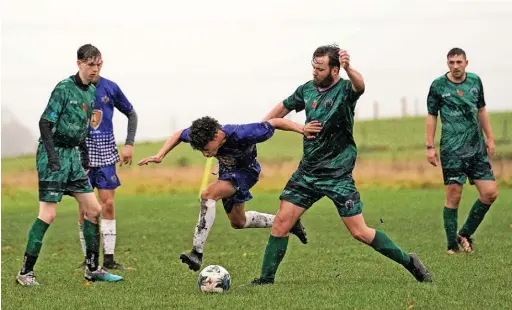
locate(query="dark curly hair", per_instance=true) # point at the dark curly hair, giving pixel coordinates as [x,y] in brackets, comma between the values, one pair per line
[202,132]
[331,51]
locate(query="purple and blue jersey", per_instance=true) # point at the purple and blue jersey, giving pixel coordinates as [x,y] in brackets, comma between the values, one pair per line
[101,141]
[237,158]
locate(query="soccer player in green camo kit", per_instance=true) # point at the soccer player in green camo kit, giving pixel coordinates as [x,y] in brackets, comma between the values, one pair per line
[459,97]
[327,163]
[62,161]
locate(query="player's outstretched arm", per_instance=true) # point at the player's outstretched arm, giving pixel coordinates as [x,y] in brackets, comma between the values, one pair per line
[483,117]
[170,144]
[309,130]
[279,111]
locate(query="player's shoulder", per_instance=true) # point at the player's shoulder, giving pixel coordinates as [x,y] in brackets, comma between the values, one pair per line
[472,76]
[439,81]
[108,83]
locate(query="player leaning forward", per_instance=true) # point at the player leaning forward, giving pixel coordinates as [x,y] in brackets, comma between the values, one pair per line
[62,161]
[327,163]
[235,148]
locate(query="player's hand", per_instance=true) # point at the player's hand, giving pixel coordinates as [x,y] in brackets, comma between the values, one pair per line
[344,58]
[126,155]
[54,164]
[491,148]
[151,159]
[432,157]
[311,129]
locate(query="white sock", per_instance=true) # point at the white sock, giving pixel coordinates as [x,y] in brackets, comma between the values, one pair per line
[82,239]
[108,230]
[255,219]
[204,224]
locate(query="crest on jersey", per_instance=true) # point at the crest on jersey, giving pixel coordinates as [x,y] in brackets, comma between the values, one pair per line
[328,103]
[105,99]
[315,104]
[97,116]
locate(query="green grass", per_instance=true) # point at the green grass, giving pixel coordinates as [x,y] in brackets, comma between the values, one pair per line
[332,272]
[386,139]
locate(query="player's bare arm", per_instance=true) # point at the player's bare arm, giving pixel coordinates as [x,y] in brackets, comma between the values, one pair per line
[483,117]
[279,111]
[170,144]
[355,77]
[432,156]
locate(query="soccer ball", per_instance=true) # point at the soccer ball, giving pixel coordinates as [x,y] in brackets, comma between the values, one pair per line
[214,279]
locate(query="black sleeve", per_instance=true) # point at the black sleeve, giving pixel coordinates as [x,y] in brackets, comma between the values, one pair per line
[45,127]
[132,127]
[84,155]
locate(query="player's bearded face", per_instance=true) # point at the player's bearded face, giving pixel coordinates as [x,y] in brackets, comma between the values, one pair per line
[457,65]
[322,73]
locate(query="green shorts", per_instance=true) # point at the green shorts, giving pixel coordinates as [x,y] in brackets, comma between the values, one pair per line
[457,170]
[71,178]
[303,190]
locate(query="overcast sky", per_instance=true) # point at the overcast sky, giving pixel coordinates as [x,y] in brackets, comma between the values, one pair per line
[234,60]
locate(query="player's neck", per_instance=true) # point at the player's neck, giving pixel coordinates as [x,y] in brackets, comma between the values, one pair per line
[83,80]
[456,80]
[336,80]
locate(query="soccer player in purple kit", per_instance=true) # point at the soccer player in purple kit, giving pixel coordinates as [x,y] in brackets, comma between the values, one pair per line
[235,148]
[104,155]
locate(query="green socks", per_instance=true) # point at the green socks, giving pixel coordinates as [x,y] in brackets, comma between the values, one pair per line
[450,227]
[385,246]
[475,217]
[92,244]
[34,244]
[274,253]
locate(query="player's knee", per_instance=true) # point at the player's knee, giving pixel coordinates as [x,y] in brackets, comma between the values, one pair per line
[107,207]
[361,236]
[453,198]
[281,226]
[93,210]
[207,194]
[488,197]
[238,223]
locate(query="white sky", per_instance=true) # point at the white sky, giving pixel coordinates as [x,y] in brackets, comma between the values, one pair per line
[234,60]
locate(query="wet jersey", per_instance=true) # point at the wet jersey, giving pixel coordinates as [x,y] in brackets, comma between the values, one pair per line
[333,152]
[239,150]
[458,104]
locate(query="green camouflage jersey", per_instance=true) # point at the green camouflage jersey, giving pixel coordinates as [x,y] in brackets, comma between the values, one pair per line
[458,103]
[70,109]
[333,152]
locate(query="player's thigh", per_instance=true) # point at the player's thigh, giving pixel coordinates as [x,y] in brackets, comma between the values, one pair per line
[343,193]
[52,184]
[78,181]
[301,191]
[105,178]
[454,170]
[488,191]
[218,190]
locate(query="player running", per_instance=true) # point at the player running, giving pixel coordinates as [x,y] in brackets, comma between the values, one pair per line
[62,161]
[459,97]
[235,148]
[327,164]
[103,155]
